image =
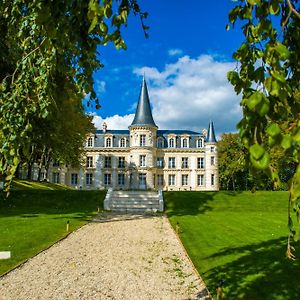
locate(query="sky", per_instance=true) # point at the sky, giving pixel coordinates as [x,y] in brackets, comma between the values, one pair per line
[185,61]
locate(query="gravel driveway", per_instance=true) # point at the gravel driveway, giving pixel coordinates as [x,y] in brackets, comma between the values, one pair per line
[114,257]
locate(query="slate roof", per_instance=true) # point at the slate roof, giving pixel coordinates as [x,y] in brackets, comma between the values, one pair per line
[143,114]
[118,134]
[211,137]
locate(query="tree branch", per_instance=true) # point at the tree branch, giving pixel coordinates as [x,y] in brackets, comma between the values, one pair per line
[292,9]
[32,51]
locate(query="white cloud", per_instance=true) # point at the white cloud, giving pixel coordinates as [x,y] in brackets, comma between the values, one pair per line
[100,87]
[187,94]
[175,52]
[190,92]
[113,122]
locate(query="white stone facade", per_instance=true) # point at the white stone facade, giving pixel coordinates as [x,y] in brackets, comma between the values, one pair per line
[145,157]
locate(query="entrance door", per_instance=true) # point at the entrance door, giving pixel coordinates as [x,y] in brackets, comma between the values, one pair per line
[142,181]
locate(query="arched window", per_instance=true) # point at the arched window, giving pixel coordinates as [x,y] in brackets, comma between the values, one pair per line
[171,143]
[184,143]
[122,142]
[200,143]
[108,142]
[90,142]
[160,143]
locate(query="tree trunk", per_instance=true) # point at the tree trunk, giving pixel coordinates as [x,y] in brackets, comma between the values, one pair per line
[41,163]
[47,163]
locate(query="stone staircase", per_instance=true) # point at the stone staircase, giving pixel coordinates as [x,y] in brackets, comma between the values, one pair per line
[133,201]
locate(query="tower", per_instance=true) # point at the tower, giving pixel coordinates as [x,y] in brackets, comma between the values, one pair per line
[143,132]
[211,159]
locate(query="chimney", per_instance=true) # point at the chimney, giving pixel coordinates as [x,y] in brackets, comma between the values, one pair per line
[104,127]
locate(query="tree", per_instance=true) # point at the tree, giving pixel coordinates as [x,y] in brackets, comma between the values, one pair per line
[50,49]
[267,77]
[232,162]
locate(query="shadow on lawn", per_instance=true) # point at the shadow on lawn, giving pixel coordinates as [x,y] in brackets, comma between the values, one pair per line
[32,203]
[191,203]
[274,277]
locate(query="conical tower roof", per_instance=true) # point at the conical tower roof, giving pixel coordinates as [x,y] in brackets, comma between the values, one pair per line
[143,114]
[211,137]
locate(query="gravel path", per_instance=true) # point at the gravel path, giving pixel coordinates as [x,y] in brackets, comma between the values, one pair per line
[115,257]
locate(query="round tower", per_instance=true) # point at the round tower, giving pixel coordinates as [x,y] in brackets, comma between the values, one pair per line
[142,132]
[211,160]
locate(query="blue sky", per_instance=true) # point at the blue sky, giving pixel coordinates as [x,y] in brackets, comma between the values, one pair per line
[185,60]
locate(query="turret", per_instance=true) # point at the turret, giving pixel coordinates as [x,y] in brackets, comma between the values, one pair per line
[211,137]
[143,114]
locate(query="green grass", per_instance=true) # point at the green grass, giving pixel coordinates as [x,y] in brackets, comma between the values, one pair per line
[33,219]
[240,238]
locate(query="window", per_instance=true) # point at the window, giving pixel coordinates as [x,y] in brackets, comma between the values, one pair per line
[89,162]
[200,179]
[199,143]
[212,179]
[184,143]
[107,162]
[107,179]
[142,140]
[160,162]
[172,163]
[160,143]
[142,160]
[56,163]
[172,179]
[74,179]
[184,179]
[212,149]
[55,177]
[185,162]
[121,179]
[89,178]
[172,143]
[122,142]
[200,162]
[160,180]
[212,160]
[90,142]
[121,162]
[108,143]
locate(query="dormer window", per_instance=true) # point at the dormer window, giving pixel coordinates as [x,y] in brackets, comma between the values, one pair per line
[185,143]
[90,142]
[160,143]
[171,143]
[199,143]
[108,142]
[122,142]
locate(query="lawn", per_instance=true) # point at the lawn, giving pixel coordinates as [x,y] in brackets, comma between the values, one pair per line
[240,238]
[34,218]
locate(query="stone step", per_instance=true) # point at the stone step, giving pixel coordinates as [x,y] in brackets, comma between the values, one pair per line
[134,202]
[134,199]
[135,210]
[134,196]
[121,206]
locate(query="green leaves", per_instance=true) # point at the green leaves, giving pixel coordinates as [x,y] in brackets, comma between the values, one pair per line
[50,54]
[273,130]
[258,102]
[268,78]
[259,157]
